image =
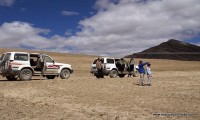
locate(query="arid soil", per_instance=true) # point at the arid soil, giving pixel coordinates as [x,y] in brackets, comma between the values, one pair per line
[175,94]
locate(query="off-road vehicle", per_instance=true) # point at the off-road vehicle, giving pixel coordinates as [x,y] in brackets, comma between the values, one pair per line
[113,68]
[23,65]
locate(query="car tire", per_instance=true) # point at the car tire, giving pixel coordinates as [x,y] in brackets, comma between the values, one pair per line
[50,76]
[65,74]
[135,73]
[113,73]
[11,77]
[25,74]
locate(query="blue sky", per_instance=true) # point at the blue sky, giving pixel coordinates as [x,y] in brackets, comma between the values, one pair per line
[47,14]
[97,27]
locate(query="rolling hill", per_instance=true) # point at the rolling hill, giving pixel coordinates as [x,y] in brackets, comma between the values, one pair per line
[172,49]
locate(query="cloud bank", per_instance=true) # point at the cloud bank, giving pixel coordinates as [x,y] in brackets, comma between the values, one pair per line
[120,27]
[7,3]
[21,34]
[126,26]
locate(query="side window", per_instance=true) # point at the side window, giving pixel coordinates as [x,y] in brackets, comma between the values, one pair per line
[48,59]
[7,56]
[110,60]
[21,57]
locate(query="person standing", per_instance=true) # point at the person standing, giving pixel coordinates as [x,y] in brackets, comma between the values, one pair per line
[99,68]
[131,67]
[102,68]
[142,72]
[38,64]
[149,74]
[123,64]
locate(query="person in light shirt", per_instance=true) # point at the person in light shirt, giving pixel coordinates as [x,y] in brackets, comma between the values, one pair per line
[149,74]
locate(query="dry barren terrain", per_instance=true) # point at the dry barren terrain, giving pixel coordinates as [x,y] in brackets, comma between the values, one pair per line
[175,90]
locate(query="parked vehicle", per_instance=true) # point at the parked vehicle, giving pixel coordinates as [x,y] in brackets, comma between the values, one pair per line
[112,68]
[23,65]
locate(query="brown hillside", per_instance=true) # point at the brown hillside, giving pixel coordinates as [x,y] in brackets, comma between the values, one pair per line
[172,49]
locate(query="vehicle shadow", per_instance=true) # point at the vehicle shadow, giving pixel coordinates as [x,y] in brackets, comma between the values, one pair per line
[5,80]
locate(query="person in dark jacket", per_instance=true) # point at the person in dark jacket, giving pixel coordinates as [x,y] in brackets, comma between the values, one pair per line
[99,67]
[38,64]
[131,67]
[142,71]
[123,64]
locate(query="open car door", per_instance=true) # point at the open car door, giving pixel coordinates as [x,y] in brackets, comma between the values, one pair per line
[49,66]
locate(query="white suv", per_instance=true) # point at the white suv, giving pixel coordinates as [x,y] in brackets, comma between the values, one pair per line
[23,65]
[113,69]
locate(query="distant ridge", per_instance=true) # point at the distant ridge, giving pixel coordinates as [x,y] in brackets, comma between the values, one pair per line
[172,49]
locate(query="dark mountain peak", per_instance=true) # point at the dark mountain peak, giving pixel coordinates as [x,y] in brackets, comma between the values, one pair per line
[177,42]
[171,49]
[173,46]
[173,41]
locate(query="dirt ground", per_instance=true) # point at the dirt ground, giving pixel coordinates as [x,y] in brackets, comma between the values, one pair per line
[175,94]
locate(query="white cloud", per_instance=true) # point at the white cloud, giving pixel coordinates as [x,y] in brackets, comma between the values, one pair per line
[117,29]
[128,26]
[68,13]
[18,34]
[7,3]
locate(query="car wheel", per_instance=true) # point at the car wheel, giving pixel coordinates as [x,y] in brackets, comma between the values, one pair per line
[50,76]
[65,74]
[135,73]
[12,77]
[113,73]
[25,74]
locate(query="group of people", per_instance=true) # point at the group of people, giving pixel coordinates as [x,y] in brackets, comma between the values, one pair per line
[143,72]
[123,65]
[130,65]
